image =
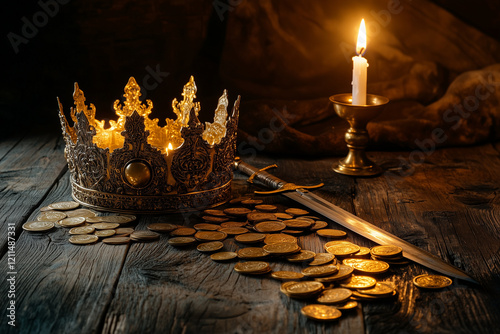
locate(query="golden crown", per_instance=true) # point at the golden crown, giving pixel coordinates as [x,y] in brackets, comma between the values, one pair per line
[135,165]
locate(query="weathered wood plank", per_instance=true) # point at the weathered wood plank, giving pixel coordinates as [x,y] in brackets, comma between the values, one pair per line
[60,287]
[27,173]
[448,206]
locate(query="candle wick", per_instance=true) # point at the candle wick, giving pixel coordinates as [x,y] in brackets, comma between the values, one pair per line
[361,52]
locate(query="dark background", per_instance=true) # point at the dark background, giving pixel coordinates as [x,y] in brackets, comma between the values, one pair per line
[101,44]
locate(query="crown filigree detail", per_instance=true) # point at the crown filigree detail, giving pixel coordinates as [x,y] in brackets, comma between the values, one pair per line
[135,165]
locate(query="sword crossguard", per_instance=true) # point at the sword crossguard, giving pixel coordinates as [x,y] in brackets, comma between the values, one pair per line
[288,187]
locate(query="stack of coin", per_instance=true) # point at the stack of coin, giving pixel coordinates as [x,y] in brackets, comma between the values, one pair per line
[302,290]
[252,267]
[388,253]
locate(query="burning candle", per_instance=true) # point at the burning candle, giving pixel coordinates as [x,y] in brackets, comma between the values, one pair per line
[359,68]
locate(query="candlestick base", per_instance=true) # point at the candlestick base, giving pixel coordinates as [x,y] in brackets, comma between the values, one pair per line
[357,163]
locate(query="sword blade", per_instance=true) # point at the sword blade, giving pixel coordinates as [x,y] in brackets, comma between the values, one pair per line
[374,233]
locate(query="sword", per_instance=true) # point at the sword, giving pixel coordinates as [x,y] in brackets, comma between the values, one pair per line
[360,226]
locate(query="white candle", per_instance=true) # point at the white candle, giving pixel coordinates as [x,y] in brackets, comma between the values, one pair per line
[360,66]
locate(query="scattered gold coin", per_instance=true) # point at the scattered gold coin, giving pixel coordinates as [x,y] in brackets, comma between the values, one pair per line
[215,219]
[348,305]
[282,248]
[333,296]
[223,256]
[257,217]
[367,266]
[380,289]
[124,231]
[296,212]
[83,239]
[144,236]
[300,224]
[432,281]
[343,273]
[237,212]
[206,227]
[364,252]
[252,267]
[82,230]
[118,219]
[118,240]
[72,221]
[269,227]
[214,212]
[282,215]
[359,282]
[266,207]
[63,206]
[321,271]
[232,224]
[104,233]
[210,236]
[287,275]
[38,226]
[105,226]
[252,253]
[302,256]
[80,213]
[208,247]
[318,225]
[183,232]
[278,238]
[331,233]
[162,227]
[343,249]
[321,259]
[181,241]
[252,202]
[51,216]
[93,220]
[250,238]
[387,251]
[234,230]
[305,289]
[321,312]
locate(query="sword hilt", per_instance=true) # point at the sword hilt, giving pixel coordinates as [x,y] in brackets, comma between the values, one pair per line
[267,179]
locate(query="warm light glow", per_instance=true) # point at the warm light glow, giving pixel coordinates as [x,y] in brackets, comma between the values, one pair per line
[361,44]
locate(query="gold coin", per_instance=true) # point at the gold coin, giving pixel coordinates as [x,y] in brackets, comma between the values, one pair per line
[300,224]
[105,233]
[118,219]
[124,231]
[252,253]
[266,207]
[51,216]
[208,247]
[367,266]
[250,238]
[321,312]
[278,238]
[105,226]
[237,212]
[348,305]
[358,295]
[82,230]
[359,282]
[432,281]
[296,212]
[181,241]
[322,258]
[210,236]
[238,200]
[72,221]
[93,220]
[118,240]
[343,273]
[336,242]
[80,213]
[252,202]
[234,230]
[321,271]
[343,249]
[252,267]
[232,224]
[318,225]
[387,251]
[70,205]
[83,239]
[282,248]
[286,275]
[45,208]
[223,256]
[292,232]
[282,215]
[269,227]
[364,252]
[162,227]
[144,236]
[214,219]
[206,227]
[303,289]
[214,212]
[332,296]
[380,289]
[257,217]
[331,233]
[302,256]
[183,232]
[38,226]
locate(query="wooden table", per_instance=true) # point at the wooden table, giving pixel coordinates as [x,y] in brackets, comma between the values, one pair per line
[449,205]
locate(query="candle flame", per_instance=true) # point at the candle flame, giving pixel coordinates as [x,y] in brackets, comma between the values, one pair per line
[170,148]
[361,44]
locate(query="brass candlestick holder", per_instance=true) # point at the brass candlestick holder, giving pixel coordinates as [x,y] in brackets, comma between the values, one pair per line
[357,163]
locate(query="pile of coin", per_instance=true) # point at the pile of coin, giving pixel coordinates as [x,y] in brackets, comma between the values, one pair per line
[86,226]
